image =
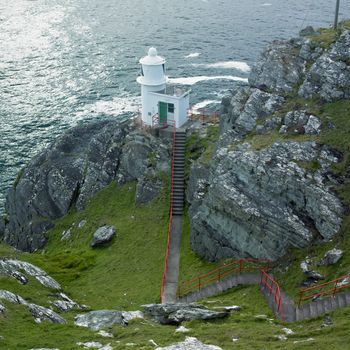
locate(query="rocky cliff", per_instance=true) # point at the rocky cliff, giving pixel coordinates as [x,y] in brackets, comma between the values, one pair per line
[270,185]
[69,172]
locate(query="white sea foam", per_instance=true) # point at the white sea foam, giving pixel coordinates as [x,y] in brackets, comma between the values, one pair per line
[195,80]
[266,4]
[114,107]
[200,105]
[242,66]
[193,55]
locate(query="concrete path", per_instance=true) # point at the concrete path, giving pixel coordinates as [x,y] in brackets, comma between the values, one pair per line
[174,252]
[172,276]
[288,312]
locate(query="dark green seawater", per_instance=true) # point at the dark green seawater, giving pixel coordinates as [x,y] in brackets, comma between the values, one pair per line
[63,62]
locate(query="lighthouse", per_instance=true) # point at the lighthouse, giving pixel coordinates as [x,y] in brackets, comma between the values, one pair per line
[161,104]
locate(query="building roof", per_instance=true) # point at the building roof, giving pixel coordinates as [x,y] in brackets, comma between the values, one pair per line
[152,59]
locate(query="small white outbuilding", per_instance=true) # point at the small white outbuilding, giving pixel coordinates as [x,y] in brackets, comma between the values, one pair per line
[161,104]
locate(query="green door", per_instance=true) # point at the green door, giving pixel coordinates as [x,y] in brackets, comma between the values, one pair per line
[163,112]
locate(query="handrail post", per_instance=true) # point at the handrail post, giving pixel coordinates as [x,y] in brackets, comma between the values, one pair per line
[199,283]
[240,265]
[219,279]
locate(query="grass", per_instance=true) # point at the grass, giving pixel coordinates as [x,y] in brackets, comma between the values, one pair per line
[201,148]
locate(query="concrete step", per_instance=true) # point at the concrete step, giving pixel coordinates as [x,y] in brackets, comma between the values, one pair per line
[177,211]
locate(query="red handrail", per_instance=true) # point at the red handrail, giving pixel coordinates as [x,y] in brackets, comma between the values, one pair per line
[274,288]
[222,272]
[170,215]
[324,289]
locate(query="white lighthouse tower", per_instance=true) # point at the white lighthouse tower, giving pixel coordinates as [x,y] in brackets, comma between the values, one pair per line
[160,104]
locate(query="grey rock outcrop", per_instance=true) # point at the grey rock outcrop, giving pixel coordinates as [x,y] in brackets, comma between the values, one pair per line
[301,122]
[260,203]
[332,257]
[280,67]
[103,235]
[41,314]
[329,76]
[70,171]
[180,312]
[190,343]
[12,298]
[65,303]
[97,320]
[10,267]
[248,106]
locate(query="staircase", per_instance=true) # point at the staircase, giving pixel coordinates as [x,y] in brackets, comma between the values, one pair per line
[178,173]
[172,264]
[279,302]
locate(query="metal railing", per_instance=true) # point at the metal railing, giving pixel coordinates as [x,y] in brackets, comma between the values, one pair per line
[220,273]
[170,214]
[325,289]
[268,282]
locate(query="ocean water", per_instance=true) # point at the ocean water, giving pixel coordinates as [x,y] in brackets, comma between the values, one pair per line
[63,62]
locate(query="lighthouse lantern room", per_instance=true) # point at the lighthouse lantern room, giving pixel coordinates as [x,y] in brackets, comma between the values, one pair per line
[161,104]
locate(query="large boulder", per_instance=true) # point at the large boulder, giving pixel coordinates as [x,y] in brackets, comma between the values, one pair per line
[259,203]
[97,320]
[103,235]
[180,312]
[71,170]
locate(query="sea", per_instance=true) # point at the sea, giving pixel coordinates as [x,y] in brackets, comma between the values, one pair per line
[64,62]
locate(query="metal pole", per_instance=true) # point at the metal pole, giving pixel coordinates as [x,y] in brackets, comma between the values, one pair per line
[336,15]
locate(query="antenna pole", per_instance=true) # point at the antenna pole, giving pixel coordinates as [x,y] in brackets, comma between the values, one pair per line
[336,15]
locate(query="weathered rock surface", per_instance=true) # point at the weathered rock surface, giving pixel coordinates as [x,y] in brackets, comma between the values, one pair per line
[95,345]
[260,203]
[103,235]
[65,303]
[301,122]
[177,313]
[41,314]
[248,106]
[329,76]
[280,67]
[190,343]
[12,298]
[71,170]
[97,320]
[2,308]
[10,267]
[332,257]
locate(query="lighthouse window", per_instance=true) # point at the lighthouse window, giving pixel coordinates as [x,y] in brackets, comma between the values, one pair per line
[171,107]
[163,67]
[142,71]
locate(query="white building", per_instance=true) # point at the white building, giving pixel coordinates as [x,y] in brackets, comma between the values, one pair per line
[161,104]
